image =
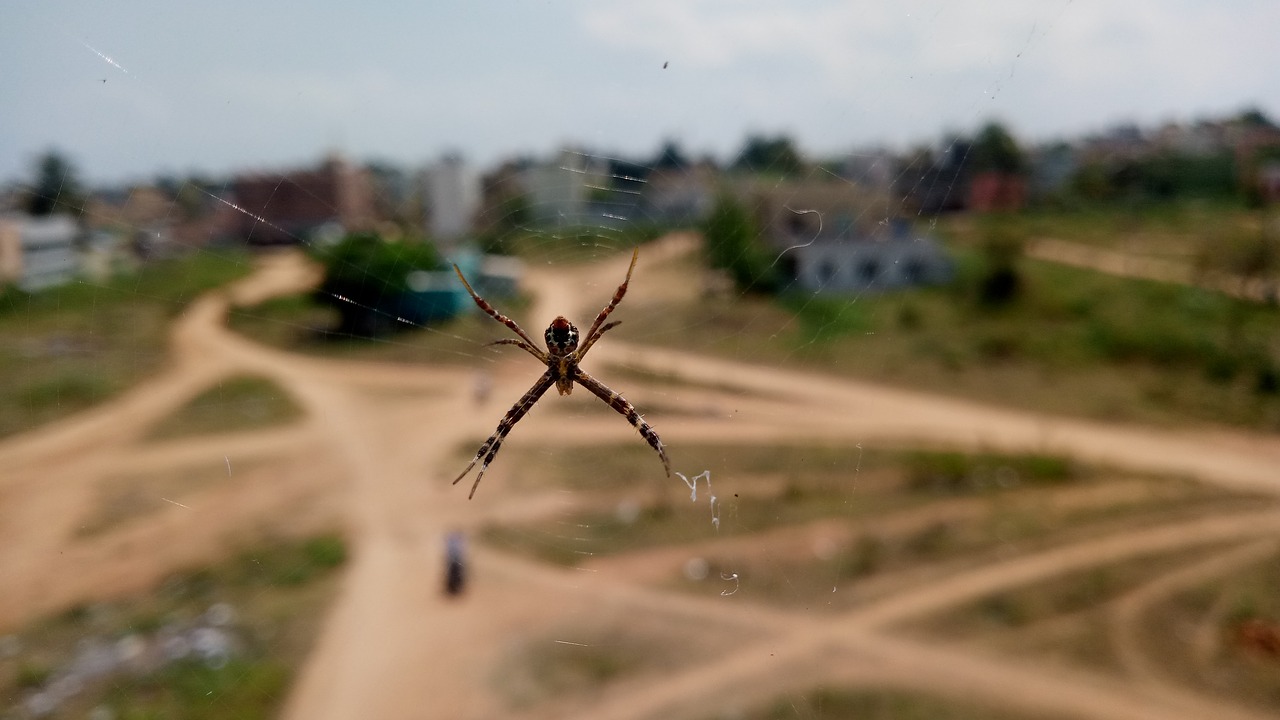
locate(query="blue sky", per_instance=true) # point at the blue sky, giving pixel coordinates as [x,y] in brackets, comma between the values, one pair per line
[233,85]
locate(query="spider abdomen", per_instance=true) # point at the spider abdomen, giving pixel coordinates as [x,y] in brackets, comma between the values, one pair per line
[562,337]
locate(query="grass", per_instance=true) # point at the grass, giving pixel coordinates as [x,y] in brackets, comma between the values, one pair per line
[1217,609]
[835,702]
[863,556]
[277,590]
[612,468]
[1073,342]
[68,348]
[242,402]
[545,668]
[1066,617]
[297,324]
[581,660]
[772,486]
[1173,230]
[795,470]
[873,518]
[965,473]
[192,690]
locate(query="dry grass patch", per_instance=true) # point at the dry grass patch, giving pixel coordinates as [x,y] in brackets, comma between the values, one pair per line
[68,348]
[242,402]
[211,642]
[1196,636]
[123,498]
[873,704]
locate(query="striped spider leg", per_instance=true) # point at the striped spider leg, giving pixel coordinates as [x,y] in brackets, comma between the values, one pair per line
[561,358]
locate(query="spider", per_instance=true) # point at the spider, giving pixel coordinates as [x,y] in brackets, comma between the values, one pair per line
[561,357]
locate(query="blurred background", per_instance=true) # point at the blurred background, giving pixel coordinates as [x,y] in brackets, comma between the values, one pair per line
[957,322]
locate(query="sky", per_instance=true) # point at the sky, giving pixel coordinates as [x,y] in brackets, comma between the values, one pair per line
[132,90]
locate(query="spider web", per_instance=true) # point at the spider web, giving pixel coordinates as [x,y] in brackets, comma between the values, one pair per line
[575,492]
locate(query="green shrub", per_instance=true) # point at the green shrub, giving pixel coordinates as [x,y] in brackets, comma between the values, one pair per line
[822,318]
[960,473]
[733,244]
[1001,281]
[366,278]
[69,390]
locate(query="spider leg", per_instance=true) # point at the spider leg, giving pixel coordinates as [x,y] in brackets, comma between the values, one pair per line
[627,410]
[490,447]
[592,340]
[485,306]
[542,356]
[594,333]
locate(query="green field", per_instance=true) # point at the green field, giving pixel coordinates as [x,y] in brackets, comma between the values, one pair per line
[65,349]
[1177,230]
[270,598]
[866,704]
[1072,342]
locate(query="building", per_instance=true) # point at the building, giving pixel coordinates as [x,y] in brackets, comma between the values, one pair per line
[451,198]
[870,167]
[840,237]
[797,212]
[38,252]
[562,192]
[678,195]
[855,265]
[288,208]
[995,191]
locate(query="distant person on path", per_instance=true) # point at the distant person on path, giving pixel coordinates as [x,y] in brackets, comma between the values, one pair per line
[455,573]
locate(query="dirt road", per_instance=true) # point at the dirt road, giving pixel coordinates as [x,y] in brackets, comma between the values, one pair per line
[378,449]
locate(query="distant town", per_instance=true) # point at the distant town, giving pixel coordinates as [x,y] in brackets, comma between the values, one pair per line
[52,229]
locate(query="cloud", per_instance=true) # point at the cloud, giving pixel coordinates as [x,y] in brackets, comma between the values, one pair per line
[834,37]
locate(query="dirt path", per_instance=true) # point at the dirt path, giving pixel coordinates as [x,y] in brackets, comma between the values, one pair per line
[1126,612]
[1125,264]
[956,671]
[381,462]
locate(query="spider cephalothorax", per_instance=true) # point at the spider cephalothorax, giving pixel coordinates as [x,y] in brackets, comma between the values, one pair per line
[561,357]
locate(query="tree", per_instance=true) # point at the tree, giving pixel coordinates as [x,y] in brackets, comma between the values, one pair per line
[732,244]
[1255,117]
[670,157]
[191,195]
[367,278]
[769,155]
[995,150]
[56,187]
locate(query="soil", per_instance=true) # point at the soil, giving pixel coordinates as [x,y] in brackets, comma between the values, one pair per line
[378,450]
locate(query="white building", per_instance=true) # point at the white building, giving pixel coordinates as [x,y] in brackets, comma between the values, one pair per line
[451,191]
[865,265]
[38,252]
[560,192]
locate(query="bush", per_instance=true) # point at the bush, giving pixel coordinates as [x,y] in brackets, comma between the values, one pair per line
[1000,282]
[959,473]
[366,278]
[733,244]
[822,319]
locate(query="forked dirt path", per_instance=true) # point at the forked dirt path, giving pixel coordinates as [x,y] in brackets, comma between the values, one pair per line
[382,440]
